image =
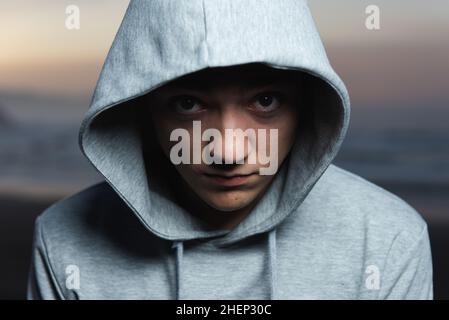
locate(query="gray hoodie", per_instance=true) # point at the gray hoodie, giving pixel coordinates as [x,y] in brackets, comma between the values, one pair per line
[319,232]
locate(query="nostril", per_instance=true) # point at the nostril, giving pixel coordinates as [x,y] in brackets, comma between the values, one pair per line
[223,166]
[229,150]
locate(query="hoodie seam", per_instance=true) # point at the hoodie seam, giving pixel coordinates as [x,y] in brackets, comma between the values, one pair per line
[47,260]
[205,42]
[410,253]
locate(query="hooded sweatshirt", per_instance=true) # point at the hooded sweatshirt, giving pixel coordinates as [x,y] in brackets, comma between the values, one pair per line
[319,232]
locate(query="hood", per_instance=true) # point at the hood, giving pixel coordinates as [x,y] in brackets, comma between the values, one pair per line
[159,41]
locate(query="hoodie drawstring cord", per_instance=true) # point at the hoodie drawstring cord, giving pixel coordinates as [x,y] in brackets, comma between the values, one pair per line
[272,264]
[179,252]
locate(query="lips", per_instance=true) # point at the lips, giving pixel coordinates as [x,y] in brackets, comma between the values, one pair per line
[229,180]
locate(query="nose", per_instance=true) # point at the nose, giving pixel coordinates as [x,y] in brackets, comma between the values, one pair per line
[235,145]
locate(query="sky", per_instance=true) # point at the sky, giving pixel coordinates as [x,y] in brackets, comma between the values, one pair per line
[406,61]
[48,74]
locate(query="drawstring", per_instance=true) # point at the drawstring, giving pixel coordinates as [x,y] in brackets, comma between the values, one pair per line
[179,252]
[272,264]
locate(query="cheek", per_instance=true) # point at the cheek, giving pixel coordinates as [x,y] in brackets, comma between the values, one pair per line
[287,132]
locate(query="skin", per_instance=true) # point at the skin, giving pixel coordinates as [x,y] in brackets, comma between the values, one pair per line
[246,96]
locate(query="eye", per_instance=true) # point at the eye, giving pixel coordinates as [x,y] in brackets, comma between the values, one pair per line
[186,104]
[267,101]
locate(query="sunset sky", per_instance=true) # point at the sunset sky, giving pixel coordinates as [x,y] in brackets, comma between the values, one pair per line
[406,60]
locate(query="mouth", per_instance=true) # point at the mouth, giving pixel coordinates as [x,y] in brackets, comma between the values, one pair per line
[234,180]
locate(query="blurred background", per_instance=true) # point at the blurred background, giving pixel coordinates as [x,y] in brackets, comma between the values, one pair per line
[397,77]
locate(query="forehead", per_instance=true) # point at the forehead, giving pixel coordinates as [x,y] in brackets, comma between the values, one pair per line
[247,76]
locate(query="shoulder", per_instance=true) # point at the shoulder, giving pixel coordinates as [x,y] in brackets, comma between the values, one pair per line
[88,221]
[363,204]
[79,209]
[88,230]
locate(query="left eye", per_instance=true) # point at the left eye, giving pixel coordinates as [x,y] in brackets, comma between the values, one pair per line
[186,104]
[267,102]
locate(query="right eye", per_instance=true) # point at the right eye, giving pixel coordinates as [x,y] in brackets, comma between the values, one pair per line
[186,104]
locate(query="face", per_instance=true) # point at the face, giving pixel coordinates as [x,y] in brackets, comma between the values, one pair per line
[228,99]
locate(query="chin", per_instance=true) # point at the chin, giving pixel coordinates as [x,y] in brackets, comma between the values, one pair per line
[228,202]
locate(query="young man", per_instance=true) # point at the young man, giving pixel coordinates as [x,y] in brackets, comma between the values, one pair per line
[214,124]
